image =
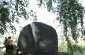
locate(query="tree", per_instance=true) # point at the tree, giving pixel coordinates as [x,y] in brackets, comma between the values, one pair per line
[11,11]
[70,15]
[4,18]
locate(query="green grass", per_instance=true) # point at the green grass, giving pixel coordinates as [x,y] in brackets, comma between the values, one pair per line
[63,46]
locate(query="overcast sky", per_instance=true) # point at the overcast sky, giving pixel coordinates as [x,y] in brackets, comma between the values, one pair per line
[43,16]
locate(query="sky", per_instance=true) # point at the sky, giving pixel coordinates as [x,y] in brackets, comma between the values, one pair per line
[43,16]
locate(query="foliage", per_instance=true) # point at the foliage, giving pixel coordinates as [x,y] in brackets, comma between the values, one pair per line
[62,47]
[70,15]
[4,17]
[11,11]
[48,4]
[76,48]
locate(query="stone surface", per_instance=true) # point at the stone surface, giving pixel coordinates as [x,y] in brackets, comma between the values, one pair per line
[38,37]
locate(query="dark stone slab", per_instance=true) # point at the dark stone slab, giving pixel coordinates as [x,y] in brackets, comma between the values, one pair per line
[38,37]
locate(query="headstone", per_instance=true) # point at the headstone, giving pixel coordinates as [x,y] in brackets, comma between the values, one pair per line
[38,38]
